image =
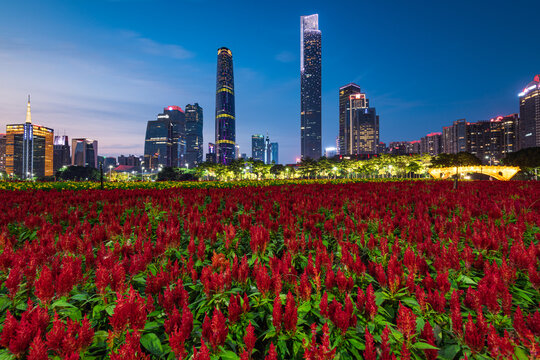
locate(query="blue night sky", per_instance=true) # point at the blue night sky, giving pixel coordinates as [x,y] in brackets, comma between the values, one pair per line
[101,69]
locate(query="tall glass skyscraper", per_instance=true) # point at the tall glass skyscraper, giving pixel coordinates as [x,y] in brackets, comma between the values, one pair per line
[165,140]
[84,152]
[194,134]
[529,115]
[225,118]
[310,87]
[257,147]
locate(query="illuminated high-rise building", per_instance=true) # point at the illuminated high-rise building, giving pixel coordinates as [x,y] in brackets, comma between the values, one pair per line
[257,147]
[62,152]
[194,135]
[2,152]
[358,122]
[344,109]
[225,113]
[431,144]
[310,87]
[29,149]
[529,115]
[274,148]
[84,152]
[211,154]
[165,141]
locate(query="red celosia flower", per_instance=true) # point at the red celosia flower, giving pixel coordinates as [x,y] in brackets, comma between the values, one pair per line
[405,353]
[385,346]
[290,316]
[455,309]
[219,329]
[324,305]
[234,309]
[130,312]
[272,354]
[202,354]
[406,322]
[371,307]
[44,288]
[250,338]
[473,337]
[131,349]
[38,349]
[369,352]
[429,337]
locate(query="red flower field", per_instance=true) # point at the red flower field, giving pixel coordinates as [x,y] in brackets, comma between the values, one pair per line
[318,271]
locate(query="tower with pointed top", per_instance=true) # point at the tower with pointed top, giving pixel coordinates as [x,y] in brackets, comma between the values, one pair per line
[29,149]
[225,112]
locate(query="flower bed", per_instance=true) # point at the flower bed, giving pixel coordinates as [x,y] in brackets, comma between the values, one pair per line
[315,271]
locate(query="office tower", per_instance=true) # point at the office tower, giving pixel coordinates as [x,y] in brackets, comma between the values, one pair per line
[84,152]
[62,152]
[454,137]
[337,146]
[177,118]
[344,107]
[243,156]
[267,151]
[109,162]
[29,149]
[431,144]
[478,138]
[225,114]
[274,149]
[211,155]
[257,147]
[165,139]
[310,87]
[360,131]
[529,115]
[502,137]
[237,151]
[194,135]
[404,147]
[100,161]
[2,152]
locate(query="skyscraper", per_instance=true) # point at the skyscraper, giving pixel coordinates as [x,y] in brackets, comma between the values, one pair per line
[2,152]
[358,122]
[431,144]
[29,149]
[211,155]
[529,115]
[165,140]
[194,135]
[344,107]
[268,151]
[62,153]
[84,152]
[257,147]
[225,118]
[310,87]
[275,152]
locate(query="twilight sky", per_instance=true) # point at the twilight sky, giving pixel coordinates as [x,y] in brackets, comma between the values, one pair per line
[101,69]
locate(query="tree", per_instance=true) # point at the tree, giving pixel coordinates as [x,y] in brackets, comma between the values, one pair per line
[78,173]
[453,160]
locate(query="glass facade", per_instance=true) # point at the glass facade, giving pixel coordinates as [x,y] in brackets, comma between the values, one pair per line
[257,147]
[2,152]
[344,107]
[62,152]
[29,150]
[310,87]
[360,130]
[275,152]
[529,115]
[194,135]
[225,112]
[165,141]
[84,152]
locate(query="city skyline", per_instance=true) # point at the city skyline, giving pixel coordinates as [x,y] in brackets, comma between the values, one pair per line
[471,83]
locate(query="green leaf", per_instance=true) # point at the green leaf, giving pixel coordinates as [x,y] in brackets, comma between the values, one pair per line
[520,354]
[449,352]
[61,303]
[151,343]
[6,355]
[228,355]
[424,346]
[357,344]
[80,297]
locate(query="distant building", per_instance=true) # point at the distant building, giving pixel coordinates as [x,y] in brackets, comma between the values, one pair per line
[84,152]
[130,160]
[274,150]
[225,112]
[237,151]
[431,144]
[454,137]
[529,115]
[243,156]
[29,149]
[267,151]
[404,147]
[62,152]
[211,155]
[2,152]
[257,147]
[109,162]
[194,135]
[165,139]
[310,87]
[359,123]
[330,152]
[478,138]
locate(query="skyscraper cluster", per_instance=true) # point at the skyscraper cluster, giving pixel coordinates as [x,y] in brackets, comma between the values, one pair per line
[489,140]
[264,150]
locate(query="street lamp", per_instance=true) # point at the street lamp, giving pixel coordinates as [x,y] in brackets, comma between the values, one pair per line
[110,171]
[142,174]
[187,166]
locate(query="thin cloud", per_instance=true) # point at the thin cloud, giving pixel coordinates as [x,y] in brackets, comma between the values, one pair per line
[285,57]
[153,47]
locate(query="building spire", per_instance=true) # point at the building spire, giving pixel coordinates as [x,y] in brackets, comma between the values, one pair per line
[28,113]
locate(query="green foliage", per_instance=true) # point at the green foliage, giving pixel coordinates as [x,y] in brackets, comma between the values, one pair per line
[78,173]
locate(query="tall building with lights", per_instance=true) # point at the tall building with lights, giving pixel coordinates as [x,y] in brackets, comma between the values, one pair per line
[431,144]
[529,115]
[225,112]
[358,122]
[211,154]
[29,149]
[165,141]
[2,153]
[310,87]
[194,135]
[345,93]
[257,147]
[274,148]
[84,152]
[62,152]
